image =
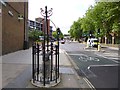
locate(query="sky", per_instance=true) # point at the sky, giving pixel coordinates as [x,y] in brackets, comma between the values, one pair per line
[65,12]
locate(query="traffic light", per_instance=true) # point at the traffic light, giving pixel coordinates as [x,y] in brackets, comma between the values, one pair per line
[90,33]
[99,31]
[58,31]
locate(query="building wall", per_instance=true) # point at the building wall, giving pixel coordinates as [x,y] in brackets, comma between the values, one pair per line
[41,20]
[13,33]
[0,29]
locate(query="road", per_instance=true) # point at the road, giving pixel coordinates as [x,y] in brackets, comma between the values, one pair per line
[102,72]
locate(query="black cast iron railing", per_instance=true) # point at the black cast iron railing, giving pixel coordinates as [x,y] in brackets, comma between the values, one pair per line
[47,71]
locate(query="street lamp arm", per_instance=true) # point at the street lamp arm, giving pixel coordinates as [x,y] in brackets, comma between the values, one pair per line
[49,12]
[53,24]
[42,12]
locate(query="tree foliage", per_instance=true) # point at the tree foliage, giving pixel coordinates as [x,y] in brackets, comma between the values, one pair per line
[75,30]
[34,34]
[103,15]
[55,35]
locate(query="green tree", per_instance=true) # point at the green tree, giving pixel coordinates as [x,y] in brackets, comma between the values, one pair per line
[34,35]
[87,22]
[75,29]
[54,34]
[71,32]
[103,15]
[109,19]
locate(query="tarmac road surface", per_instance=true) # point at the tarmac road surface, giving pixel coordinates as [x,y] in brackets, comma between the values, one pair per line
[101,72]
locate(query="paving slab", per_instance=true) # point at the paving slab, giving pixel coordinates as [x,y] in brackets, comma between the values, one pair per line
[68,79]
[21,80]
[66,70]
[20,57]
[11,71]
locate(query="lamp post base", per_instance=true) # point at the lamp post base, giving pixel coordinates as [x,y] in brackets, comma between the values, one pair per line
[39,83]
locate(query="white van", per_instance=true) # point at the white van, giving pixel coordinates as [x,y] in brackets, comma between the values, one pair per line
[93,42]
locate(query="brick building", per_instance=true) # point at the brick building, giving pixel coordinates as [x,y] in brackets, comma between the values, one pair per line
[41,20]
[39,24]
[0,29]
[14,26]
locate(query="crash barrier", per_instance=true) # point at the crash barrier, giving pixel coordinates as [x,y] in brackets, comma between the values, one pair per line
[47,74]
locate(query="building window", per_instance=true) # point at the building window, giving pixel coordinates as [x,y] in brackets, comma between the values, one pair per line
[41,27]
[38,25]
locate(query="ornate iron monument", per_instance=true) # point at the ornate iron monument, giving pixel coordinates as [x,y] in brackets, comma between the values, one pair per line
[47,74]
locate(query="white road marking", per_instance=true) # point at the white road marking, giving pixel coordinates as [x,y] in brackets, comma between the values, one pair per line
[108,57]
[89,84]
[86,58]
[101,65]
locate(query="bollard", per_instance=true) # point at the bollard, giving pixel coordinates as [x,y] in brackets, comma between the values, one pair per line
[87,46]
[99,47]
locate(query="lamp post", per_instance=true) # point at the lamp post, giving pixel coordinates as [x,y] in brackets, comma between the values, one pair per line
[48,74]
[46,14]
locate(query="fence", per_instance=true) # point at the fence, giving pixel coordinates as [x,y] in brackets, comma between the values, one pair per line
[48,72]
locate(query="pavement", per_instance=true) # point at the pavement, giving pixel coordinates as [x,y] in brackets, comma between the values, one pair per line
[16,71]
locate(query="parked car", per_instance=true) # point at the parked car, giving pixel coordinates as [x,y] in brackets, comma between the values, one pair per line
[93,42]
[62,41]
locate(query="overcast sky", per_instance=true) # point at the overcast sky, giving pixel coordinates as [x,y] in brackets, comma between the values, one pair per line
[65,12]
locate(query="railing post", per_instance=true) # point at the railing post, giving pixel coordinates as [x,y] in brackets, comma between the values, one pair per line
[58,33]
[56,63]
[37,61]
[58,55]
[33,58]
[51,61]
[44,63]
